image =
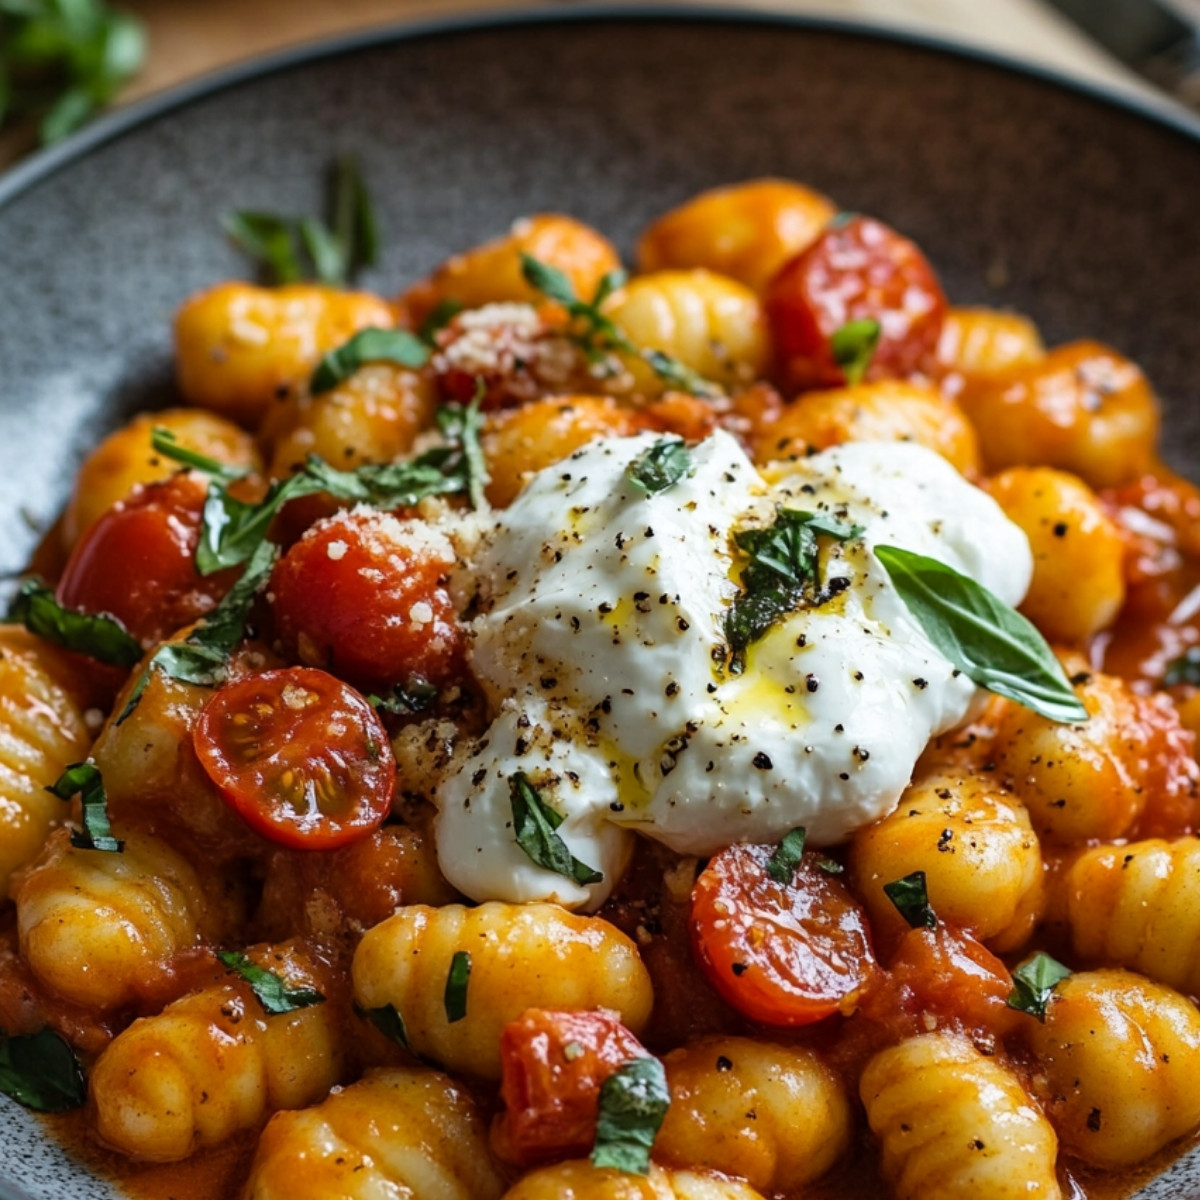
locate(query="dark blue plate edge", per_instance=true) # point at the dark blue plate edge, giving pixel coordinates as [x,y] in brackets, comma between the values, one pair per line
[44,163]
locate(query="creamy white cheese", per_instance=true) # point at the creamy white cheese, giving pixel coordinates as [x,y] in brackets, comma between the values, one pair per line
[600,642]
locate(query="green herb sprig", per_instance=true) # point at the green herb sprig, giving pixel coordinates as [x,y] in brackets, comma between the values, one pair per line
[782,573]
[390,1023]
[63,60]
[96,833]
[662,466]
[534,825]
[417,695]
[853,346]
[275,994]
[991,643]
[782,864]
[101,638]
[367,346]
[633,1104]
[910,895]
[1034,982]
[455,997]
[42,1072]
[289,249]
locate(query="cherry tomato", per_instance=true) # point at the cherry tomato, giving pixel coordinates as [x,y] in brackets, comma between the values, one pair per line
[363,594]
[856,270]
[299,755]
[781,953]
[137,562]
[553,1066]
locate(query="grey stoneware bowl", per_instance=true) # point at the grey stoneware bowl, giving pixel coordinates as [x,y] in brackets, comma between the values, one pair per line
[1023,191]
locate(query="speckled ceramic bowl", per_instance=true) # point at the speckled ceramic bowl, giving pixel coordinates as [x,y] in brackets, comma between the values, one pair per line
[1021,190]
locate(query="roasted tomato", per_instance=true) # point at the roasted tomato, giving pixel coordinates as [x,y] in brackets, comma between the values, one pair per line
[554,1064]
[363,594]
[859,269]
[781,953]
[299,755]
[136,563]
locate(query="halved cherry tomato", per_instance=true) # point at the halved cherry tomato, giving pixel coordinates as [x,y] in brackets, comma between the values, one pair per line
[299,755]
[553,1066]
[781,953]
[364,594]
[137,562]
[856,270]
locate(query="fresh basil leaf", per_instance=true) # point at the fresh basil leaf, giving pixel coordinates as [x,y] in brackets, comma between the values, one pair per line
[443,313]
[462,427]
[390,1023]
[273,993]
[41,1072]
[404,700]
[548,280]
[268,239]
[102,638]
[611,282]
[853,346]
[1033,984]
[782,573]
[97,833]
[325,251]
[352,218]
[534,823]
[662,466]
[911,898]
[680,376]
[164,442]
[781,866]
[633,1104]
[455,998]
[992,644]
[367,346]
[1184,669]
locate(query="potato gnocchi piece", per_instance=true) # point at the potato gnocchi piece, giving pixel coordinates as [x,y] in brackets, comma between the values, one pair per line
[979,341]
[214,1063]
[713,325]
[126,459]
[981,858]
[888,411]
[492,273]
[42,731]
[373,417]
[1078,582]
[1082,408]
[522,956]
[100,928]
[956,1125]
[579,1180]
[239,348]
[1137,905]
[773,1115]
[1118,1066]
[747,231]
[395,1133]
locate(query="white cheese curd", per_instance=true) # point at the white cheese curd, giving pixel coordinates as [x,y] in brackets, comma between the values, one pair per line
[600,641]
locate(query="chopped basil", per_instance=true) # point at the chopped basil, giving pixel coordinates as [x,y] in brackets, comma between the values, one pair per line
[534,825]
[633,1103]
[853,346]
[1184,669]
[1033,984]
[164,442]
[781,866]
[782,573]
[404,700]
[982,636]
[662,466]
[96,834]
[367,346]
[455,998]
[443,313]
[911,899]
[99,637]
[598,335]
[273,993]
[462,426]
[288,249]
[41,1071]
[390,1023]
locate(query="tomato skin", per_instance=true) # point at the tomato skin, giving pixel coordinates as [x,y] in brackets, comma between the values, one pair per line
[363,594]
[300,756]
[551,1093]
[857,269]
[136,563]
[780,953]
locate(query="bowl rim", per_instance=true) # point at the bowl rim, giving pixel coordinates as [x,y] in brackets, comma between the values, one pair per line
[42,164]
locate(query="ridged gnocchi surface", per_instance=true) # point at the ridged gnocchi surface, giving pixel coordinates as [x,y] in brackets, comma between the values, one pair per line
[579,1180]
